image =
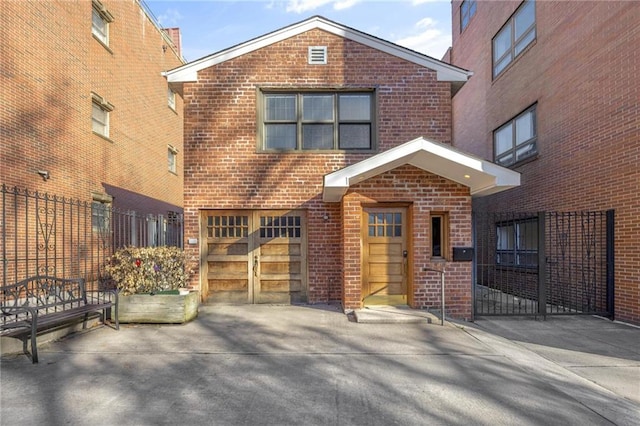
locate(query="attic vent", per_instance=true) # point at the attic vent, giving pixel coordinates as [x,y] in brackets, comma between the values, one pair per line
[317,55]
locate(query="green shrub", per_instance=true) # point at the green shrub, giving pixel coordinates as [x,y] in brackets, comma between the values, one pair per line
[148,269]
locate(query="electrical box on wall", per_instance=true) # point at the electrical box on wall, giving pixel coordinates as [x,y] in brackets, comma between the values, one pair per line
[462,254]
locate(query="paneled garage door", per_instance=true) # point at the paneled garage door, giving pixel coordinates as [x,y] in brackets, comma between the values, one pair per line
[255,256]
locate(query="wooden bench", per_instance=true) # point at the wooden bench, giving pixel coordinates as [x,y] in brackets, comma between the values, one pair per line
[42,302]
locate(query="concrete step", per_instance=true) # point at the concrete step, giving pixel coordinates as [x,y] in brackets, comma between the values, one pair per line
[393,315]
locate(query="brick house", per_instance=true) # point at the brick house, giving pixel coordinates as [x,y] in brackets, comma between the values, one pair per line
[83,100]
[559,96]
[318,168]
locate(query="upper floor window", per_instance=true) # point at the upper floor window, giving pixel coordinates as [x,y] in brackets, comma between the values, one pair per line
[100,19]
[516,140]
[171,99]
[517,33]
[467,10]
[317,121]
[172,157]
[100,115]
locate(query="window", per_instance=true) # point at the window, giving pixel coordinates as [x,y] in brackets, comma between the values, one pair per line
[516,140]
[439,235]
[516,34]
[317,121]
[171,99]
[101,213]
[467,10]
[100,115]
[172,156]
[100,19]
[517,243]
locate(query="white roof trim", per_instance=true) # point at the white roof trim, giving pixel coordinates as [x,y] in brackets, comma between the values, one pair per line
[189,72]
[481,176]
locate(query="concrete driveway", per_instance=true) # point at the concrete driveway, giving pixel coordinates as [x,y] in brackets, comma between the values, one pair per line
[311,365]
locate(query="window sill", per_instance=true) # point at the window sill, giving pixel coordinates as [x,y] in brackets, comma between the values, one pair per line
[106,46]
[106,138]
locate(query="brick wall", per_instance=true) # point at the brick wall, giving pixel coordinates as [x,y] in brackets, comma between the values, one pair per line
[582,72]
[223,169]
[424,193]
[50,65]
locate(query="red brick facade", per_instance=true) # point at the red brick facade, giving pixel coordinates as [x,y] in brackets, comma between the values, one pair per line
[51,64]
[581,72]
[224,169]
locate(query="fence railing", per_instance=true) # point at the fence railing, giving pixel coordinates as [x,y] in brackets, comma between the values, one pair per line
[543,263]
[53,235]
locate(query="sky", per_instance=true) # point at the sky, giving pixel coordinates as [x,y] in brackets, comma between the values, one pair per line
[209,26]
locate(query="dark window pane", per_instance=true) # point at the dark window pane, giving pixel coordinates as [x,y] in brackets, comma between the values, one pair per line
[355,136]
[317,136]
[280,136]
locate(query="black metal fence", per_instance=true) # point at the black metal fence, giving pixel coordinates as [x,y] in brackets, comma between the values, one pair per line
[43,234]
[544,263]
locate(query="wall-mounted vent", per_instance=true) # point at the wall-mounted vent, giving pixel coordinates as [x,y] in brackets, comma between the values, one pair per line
[317,55]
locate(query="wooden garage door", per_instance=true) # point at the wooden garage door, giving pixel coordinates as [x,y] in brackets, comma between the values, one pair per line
[255,256]
[384,277]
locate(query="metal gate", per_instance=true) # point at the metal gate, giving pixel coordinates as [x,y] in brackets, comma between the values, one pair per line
[545,263]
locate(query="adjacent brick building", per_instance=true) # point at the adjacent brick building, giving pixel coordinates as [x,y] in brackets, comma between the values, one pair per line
[555,96]
[84,103]
[88,128]
[318,168]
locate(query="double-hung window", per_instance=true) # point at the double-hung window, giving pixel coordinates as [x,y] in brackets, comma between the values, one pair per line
[467,10]
[515,140]
[172,158]
[317,121]
[514,37]
[517,243]
[100,115]
[100,19]
[101,213]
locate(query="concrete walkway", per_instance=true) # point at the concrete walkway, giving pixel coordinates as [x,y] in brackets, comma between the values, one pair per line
[311,365]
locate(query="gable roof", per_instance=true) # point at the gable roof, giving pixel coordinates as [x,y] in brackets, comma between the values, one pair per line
[445,72]
[481,176]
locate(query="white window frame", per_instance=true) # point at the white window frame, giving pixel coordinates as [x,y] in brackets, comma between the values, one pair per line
[100,115]
[509,43]
[172,158]
[100,20]
[171,98]
[516,140]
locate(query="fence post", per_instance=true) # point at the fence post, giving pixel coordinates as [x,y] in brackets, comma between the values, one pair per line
[542,266]
[610,263]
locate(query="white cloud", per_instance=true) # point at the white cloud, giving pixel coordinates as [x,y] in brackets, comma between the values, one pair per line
[301,6]
[170,18]
[427,38]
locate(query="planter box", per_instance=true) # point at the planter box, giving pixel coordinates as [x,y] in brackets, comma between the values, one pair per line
[159,308]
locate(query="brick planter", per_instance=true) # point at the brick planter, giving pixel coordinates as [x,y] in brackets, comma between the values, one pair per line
[158,308]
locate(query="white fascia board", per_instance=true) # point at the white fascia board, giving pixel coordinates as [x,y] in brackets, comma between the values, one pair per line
[481,176]
[189,72]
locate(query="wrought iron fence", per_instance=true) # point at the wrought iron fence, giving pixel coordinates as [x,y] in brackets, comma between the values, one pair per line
[52,235]
[544,263]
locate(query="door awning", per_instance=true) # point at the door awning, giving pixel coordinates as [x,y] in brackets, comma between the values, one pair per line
[481,176]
